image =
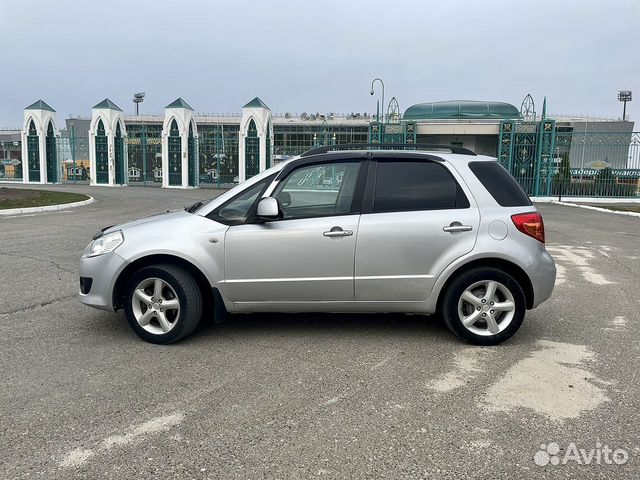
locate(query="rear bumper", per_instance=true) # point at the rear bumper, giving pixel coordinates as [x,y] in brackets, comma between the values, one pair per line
[542,272]
[100,273]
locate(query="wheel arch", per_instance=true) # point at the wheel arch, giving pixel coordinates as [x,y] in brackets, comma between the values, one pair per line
[505,265]
[119,289]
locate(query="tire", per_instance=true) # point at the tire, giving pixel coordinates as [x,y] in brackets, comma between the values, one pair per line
[172,316]
[487,323]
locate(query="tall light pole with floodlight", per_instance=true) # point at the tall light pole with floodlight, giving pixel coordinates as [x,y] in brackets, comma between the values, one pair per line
[372,92]
[624,96]
[138,98]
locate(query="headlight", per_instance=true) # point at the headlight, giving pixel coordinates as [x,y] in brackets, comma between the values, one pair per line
[105,244]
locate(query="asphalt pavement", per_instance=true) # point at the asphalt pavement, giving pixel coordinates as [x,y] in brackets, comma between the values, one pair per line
[315,396]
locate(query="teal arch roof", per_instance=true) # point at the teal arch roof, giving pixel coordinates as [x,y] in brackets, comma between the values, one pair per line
[460,109]
[39,105]
[179,103]
[256,103]
[106,103]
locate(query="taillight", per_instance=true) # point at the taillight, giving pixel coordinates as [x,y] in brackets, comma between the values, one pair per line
[530,224]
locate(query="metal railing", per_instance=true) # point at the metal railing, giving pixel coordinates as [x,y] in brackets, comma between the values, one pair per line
[612,183]
[584,164]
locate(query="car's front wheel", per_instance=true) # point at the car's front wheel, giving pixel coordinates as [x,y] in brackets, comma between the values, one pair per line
[484,306]
[163,303]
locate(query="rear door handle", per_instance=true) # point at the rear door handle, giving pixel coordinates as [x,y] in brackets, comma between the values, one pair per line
[456,227]
[338,232]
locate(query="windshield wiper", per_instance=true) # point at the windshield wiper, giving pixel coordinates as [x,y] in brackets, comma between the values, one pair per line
[193,208]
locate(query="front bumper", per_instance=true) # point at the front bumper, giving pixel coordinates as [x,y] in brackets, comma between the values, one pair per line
[542,272]
[103,271]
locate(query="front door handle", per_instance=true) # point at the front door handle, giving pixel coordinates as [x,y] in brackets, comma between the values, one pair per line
[338,232]
[456,227]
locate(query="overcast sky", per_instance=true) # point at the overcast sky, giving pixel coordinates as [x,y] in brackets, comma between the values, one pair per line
[317,56]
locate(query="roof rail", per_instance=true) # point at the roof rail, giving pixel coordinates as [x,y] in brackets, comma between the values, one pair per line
[388,146]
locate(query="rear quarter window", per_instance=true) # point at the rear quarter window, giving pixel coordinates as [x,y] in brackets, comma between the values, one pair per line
[500,184]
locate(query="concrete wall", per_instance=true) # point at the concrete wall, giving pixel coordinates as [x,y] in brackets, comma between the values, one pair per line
[481,144]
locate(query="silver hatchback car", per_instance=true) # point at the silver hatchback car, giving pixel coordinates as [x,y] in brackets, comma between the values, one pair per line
[335,230]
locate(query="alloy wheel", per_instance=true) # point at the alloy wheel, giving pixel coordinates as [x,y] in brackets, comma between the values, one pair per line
[486,308]
[155,306]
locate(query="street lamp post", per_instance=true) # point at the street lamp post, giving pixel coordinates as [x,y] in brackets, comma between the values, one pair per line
[624,96]
[372,92]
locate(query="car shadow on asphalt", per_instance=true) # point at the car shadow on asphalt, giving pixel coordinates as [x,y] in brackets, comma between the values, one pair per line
[114,326]
[385,325]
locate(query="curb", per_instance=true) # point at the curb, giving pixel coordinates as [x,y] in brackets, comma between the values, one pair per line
[600,200]
[597,209]
[46,208]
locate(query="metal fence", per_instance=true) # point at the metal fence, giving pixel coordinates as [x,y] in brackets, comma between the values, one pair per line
[593,183]
[216,156]
[591,164]
[583,164]
[218,159]
[73,157]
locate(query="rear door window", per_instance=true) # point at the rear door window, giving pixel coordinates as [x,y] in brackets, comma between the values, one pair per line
[415,185]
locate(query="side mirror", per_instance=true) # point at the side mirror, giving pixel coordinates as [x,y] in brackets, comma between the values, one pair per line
[268,209]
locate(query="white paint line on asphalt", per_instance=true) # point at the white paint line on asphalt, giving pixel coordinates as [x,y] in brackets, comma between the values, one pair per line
[618,324]
[76,458]
[480,444]
[620,321]
[552,381]
[335,399]
[466,364]
[79,456]
[561,274]
[596,278]
[383,362]
[580,259]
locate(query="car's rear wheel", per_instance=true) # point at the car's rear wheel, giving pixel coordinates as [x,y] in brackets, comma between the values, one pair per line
[484,306]
[163,303]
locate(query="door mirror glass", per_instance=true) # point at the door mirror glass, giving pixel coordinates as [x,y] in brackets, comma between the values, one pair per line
[284,198]
[268,208]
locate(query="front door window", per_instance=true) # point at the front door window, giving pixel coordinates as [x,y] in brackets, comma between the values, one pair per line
[318,190]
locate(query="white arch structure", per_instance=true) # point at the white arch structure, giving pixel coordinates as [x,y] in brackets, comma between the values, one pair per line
[182,113]
[257,111]
[110,115]
[41,114]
